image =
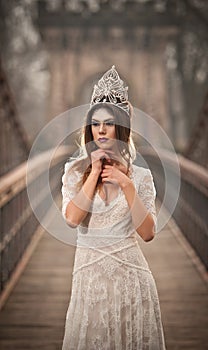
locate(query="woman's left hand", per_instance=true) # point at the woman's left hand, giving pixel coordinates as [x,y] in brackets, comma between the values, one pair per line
[115,174]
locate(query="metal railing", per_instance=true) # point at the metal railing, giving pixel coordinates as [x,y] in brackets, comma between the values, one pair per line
[17,220]
[14,143]
[191,212]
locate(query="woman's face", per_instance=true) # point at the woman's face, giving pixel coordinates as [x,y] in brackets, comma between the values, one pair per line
[103,129]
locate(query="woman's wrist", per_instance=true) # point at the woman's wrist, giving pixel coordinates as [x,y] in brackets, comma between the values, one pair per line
[94,173]
[125,182]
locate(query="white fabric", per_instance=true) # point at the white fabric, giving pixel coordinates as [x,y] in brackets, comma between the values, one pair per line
[114,302]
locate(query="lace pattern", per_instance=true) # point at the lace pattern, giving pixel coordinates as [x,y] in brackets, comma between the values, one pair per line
[144,185]
[114,302]
[69,180]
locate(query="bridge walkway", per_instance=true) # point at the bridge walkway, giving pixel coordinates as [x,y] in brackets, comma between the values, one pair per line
[33,316]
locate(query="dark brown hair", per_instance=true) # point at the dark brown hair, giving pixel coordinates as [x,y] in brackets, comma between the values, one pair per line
[122,130]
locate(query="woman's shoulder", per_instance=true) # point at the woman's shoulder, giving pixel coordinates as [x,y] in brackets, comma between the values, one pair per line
[143,179]
[68,171]
[140,171]
[69,164]
[74,164]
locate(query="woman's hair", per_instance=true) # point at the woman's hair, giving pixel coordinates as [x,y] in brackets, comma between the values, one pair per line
[122,122]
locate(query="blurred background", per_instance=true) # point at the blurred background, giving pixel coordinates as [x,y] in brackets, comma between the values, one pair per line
[52,53]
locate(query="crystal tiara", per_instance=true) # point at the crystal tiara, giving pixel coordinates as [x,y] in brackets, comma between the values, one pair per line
[110,88]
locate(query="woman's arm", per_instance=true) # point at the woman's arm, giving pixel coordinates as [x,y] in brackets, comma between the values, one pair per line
[77,209]
[142,219]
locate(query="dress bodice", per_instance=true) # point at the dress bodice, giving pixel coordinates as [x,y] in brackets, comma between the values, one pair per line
[106,224]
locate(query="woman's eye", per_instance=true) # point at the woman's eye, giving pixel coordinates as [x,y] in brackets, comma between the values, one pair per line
[109,123]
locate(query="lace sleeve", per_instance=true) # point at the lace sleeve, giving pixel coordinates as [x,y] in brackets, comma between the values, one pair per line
[70,179]
[147,193]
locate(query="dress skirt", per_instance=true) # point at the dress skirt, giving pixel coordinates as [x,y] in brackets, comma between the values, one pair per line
[114,302]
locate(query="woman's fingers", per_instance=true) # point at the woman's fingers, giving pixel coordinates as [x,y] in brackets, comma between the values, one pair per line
[107,171]
[99,154]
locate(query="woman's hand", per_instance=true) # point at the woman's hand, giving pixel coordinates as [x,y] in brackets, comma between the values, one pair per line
[96,159]
[115,174]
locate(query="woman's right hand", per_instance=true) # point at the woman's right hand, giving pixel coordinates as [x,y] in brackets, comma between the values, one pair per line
[96,159]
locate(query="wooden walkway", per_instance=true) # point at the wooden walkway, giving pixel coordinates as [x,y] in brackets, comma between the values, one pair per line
[34,314]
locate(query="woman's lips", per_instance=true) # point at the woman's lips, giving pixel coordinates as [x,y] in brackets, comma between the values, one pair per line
[103,139]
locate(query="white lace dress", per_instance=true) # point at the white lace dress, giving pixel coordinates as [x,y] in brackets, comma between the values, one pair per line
[114,302]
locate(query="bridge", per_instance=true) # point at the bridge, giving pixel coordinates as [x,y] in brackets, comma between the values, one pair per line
[36,267]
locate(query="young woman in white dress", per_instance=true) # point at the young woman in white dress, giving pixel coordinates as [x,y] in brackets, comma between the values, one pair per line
[114,302]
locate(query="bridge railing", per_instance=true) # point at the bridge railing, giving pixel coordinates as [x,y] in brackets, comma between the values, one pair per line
[17,220]
[191,212]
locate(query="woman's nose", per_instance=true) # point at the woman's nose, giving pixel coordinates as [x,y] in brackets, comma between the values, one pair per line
[102,127]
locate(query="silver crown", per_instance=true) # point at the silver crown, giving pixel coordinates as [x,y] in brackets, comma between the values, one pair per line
[110,88]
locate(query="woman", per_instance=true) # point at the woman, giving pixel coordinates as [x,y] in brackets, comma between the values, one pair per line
[114,302]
